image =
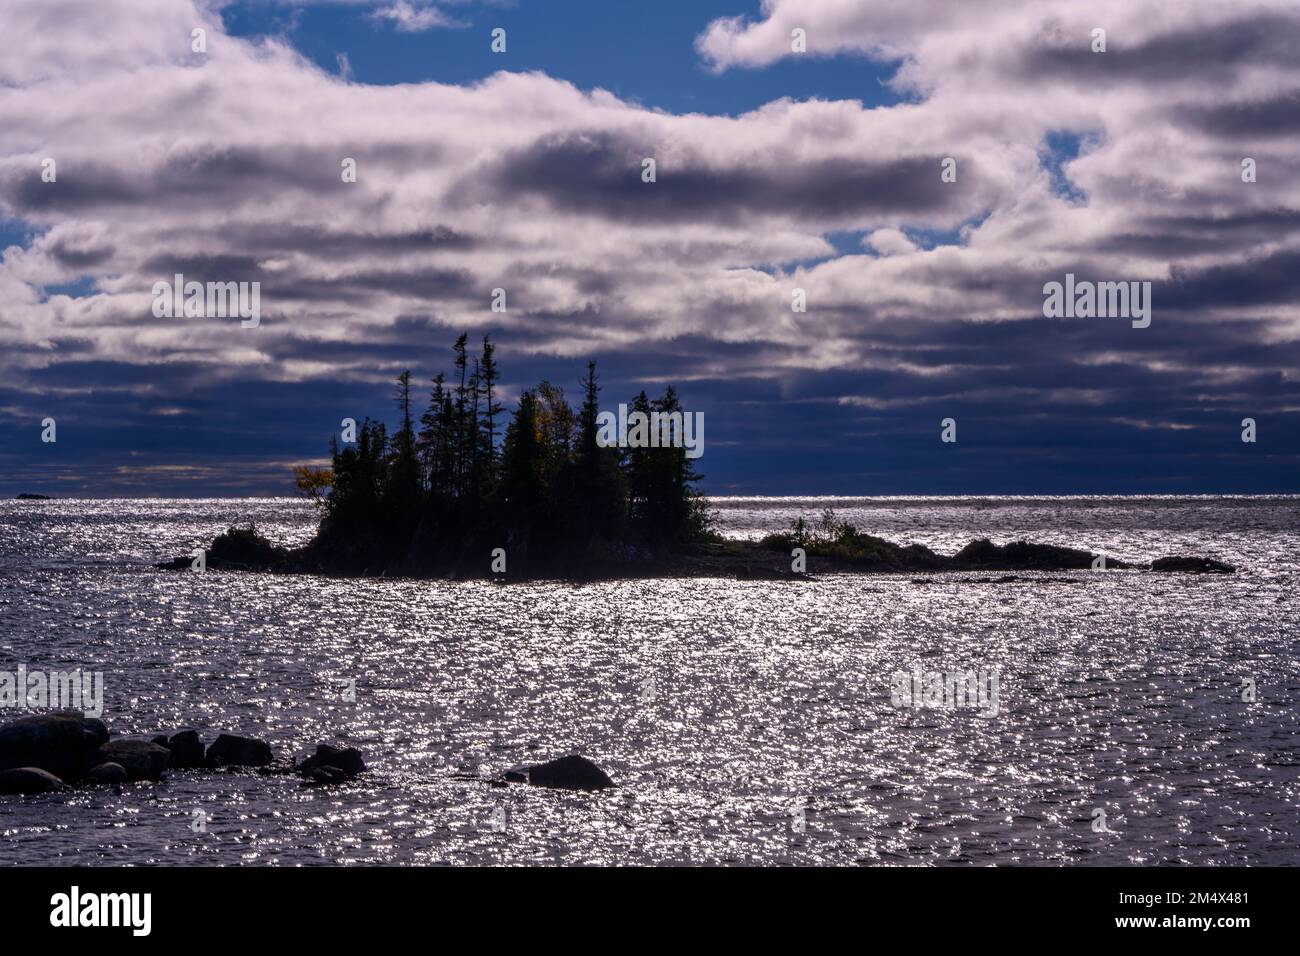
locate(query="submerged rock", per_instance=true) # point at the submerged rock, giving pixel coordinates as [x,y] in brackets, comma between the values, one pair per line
[231,750]
[141,759]
[567,773]
[1186,565]
[23,780]
[63,743]
[108,773]
[325,775]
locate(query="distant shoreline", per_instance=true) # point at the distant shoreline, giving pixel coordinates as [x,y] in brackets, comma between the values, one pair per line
[775,557]
[809,498]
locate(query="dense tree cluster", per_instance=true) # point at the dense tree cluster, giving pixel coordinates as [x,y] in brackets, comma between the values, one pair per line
[446,487]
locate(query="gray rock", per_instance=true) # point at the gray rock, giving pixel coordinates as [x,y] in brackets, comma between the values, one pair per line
[567,773]
[325,775]
[141,759]
[348,761]
[108,773]
[231,750]
[63,743]
[187,750]
[29,780]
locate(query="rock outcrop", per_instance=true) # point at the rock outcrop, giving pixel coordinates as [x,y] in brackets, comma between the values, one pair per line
[331,765]
[186,748]
[108,773]
[62,743]
[231,750]
[67,748]
[567,773]
[141,759]
[348,760]
[25,780]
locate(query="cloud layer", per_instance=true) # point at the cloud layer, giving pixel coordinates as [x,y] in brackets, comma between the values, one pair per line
[226,165]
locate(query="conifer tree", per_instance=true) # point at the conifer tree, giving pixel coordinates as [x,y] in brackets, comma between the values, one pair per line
[489,376]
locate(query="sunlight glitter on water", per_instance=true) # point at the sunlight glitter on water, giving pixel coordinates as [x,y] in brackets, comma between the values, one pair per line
[1119,692]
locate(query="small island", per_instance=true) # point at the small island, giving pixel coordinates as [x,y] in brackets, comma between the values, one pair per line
[460,493]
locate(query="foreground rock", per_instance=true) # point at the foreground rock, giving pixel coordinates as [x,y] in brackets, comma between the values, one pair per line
[63,744]
[567,773]
[186,749]
[323,776]
[141,759]
[231,750]
[67,748]
[333,763]
[108,773]
[24,780]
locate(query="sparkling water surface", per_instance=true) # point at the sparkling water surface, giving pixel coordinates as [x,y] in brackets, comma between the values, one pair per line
[1119,691]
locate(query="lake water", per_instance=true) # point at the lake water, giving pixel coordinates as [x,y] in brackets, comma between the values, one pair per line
[744,722]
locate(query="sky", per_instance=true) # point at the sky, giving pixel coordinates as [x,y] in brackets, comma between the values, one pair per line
[781,169]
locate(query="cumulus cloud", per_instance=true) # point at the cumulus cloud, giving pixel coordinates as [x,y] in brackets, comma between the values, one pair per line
[408,17]
[226,165]
[889,242]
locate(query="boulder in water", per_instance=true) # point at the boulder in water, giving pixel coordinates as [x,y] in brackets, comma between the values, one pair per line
[231,750]
[567,773]
[187,749]
[325,775]
[108,773]
[23,780]
[62,743]
[141,759]
[347,761]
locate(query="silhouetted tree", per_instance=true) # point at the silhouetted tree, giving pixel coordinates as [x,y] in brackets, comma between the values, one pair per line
[489,376]
[523,489]
[430,495]
[404,481]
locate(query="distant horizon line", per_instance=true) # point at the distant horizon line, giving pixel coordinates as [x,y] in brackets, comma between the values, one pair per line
[710,497]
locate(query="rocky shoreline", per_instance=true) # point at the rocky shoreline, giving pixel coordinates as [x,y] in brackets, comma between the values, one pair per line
[63,750]
[66,750]
[773,558]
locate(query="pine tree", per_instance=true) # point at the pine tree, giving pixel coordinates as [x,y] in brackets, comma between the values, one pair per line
[406,468]
[417,498]
[461,448]
[598,483]
[522,488]
[435,441]
[489,376]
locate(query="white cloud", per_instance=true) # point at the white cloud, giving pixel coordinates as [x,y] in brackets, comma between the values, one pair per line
[407,17]
[229,164]
[889,242]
